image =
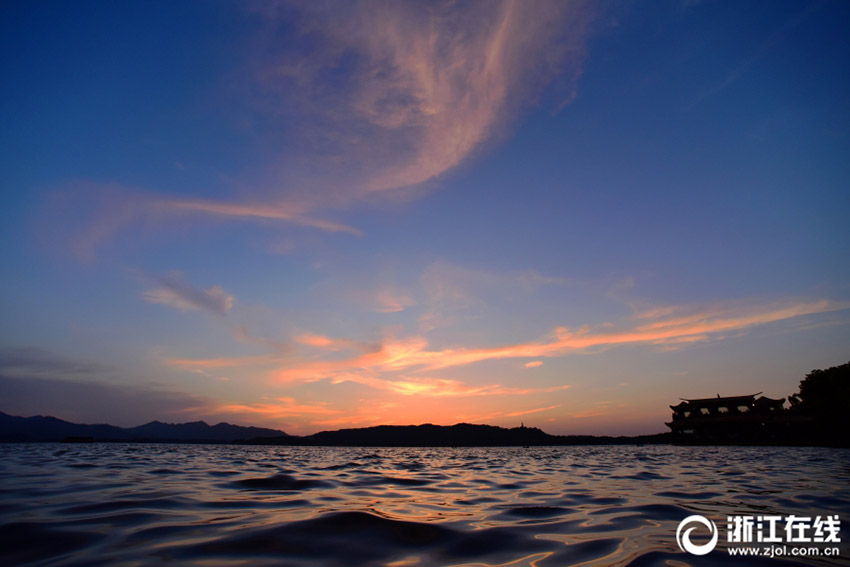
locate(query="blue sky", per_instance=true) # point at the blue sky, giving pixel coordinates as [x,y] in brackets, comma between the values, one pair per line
[311,216]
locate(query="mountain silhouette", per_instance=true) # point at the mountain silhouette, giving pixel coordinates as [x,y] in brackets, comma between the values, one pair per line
[45,428]
[459,435]
[40,428]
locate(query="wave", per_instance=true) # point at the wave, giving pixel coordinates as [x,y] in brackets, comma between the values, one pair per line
[596,506]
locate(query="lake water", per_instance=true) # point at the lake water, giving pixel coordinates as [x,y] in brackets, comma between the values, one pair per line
[202,505]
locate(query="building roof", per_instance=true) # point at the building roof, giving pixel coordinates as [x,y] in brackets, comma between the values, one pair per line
[766,400]
[732,400]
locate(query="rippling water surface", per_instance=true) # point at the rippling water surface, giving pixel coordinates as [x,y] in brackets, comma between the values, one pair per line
[114,504]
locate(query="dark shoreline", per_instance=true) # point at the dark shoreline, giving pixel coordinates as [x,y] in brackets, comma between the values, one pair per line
[459,435]
[52,430]
[36,429]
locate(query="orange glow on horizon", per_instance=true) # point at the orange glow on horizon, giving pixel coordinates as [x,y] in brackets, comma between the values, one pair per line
[401,394]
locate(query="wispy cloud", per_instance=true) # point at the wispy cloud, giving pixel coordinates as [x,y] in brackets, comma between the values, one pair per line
[175,292]
[334,344]
[693,328]
[277,352]
[289,212]
[451,284]
[425,84]
[599,409]
[275,409]
[453,289]
[363,101]
[379,366]
[391,300]
[243,335]
[367,413]
[536,410]
[413,353]
[314,340]
[102,211]
[762,50]
[222,362]
[30,361]
[440,387]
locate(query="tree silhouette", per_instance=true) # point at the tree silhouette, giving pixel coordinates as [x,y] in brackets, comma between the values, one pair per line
[824,397]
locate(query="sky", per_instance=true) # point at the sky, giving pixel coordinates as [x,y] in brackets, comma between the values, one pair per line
[318,215]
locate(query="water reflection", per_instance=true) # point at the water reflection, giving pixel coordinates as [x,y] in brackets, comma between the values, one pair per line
[106,504]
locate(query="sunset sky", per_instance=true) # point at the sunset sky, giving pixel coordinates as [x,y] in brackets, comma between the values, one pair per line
[320,215]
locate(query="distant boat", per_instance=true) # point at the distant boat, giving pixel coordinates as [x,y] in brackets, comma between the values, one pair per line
[78,439]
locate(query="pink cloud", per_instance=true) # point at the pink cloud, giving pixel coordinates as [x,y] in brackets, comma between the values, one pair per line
[367,412]
[457,84]
[334,344]
[101,211]
[412,352]
[425,87]
[277,409]
[439,387]
[697,327]
[289,212]
[374,368]
[391,300]
[536,410]
[314,340]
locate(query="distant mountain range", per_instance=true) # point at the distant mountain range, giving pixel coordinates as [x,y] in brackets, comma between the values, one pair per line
[39,428]
[459,435]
